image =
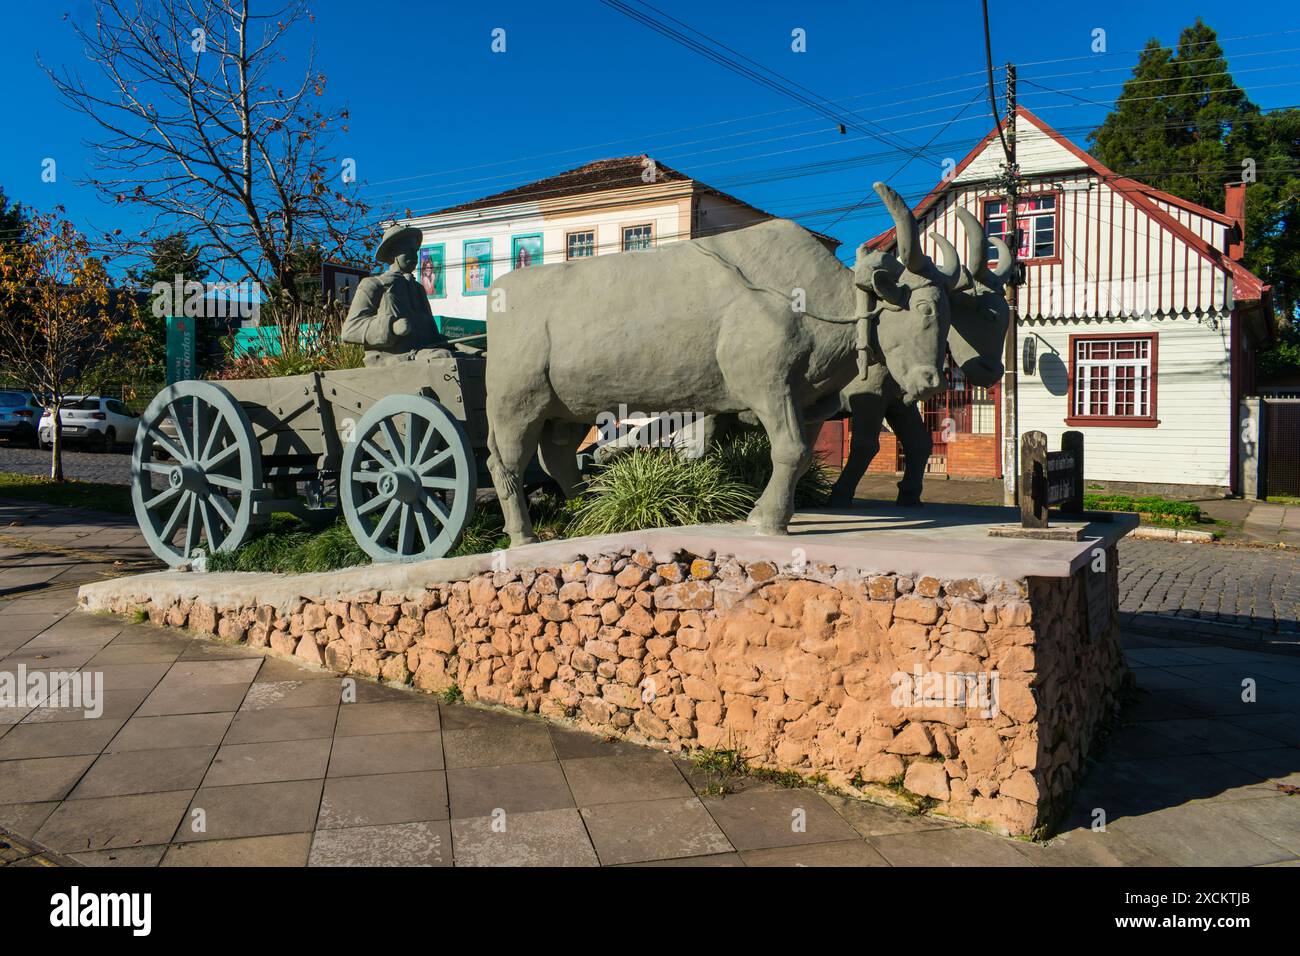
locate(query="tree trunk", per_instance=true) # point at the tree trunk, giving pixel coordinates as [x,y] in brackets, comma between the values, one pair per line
[56,445]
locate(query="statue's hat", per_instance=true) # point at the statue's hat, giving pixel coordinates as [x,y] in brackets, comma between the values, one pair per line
[396,238]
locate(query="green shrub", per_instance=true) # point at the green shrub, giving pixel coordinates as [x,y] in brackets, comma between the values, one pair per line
[654,488]
[1162,510]
[288,546]
[747,458]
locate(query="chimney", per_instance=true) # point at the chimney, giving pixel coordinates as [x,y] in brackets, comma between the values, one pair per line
[1234,207]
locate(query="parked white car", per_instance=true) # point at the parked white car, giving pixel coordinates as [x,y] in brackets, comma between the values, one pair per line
[105,422]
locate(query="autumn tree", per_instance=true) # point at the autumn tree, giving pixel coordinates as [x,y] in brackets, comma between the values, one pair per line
[57,320]
[202,120]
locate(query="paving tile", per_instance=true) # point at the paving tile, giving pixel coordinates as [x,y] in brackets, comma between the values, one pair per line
[1275,818]
[1160,657]
[466,716]
[280,668]
[427,843]
[39,779]
[270,695]
[647,776]
[61,739]
[25,818]
[213,672]
[131,676]
[49,659]
[1155,678]
[1206,735]
[1084,846]
[1201,835]
[754,820]
[515,788]
[544,838]
[268,762]
[117,653]
[491,746]
[957,846]
[106,823]
[111,704]
[1275,765]
[283,849]
[712,860]
[207,649]
[145,771]
[253,809]
[160,733]
[385,753]
[871,819]
[127,856]
[840,853]
[283,723]
[383,798]
[577,744]
[387,718]
[193,699]
[653,830]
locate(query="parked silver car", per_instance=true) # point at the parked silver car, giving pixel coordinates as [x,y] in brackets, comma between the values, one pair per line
[105,422]
[19,413]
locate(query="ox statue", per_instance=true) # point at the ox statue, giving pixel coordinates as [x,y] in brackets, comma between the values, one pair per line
[762,320]
[976,339]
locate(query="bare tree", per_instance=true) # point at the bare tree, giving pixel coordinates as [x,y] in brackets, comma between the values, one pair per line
[204,122]
[56,317]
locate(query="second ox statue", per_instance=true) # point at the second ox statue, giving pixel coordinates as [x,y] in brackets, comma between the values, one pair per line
[976,339]
[762,320]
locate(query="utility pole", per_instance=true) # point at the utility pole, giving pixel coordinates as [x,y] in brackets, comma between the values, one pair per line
[1010,395]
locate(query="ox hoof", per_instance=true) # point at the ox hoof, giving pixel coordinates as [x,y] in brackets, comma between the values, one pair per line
[838,500]
[908,501]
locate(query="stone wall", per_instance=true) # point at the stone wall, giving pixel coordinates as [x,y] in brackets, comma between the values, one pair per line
[862,678]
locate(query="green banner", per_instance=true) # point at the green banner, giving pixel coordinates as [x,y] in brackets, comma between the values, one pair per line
[180,349]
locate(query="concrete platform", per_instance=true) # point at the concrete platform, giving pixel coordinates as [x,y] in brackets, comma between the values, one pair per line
[940,540]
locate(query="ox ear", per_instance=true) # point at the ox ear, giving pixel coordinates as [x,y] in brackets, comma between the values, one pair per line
[886,287]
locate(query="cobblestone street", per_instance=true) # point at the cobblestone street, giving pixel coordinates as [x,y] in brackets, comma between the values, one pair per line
[1247,594]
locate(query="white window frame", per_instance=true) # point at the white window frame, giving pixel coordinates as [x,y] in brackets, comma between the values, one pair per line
[568,244]
[1143,368]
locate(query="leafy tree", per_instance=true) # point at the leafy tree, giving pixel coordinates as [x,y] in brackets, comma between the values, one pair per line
[57,320]
[1183,125]
[12,219]
[202,118]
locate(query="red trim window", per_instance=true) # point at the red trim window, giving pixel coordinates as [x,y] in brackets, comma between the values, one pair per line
[1036,224]
[1113,380]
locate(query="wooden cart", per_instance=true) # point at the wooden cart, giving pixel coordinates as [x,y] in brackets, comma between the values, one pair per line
[399,449]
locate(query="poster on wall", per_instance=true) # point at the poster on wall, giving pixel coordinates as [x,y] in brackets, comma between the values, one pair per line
[526,251]
[432,271]
[478,266]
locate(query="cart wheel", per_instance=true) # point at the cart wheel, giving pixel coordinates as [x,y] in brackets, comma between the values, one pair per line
[408,480]
[196,471]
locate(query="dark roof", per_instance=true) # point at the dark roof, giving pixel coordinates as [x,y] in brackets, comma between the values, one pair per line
[620,172]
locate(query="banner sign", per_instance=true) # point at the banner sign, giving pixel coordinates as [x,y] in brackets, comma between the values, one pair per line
[180,349]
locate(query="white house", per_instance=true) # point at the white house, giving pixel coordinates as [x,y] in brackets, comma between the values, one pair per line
[1137,320]
[611,205]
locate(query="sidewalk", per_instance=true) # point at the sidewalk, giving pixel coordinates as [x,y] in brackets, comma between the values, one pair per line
[207,754]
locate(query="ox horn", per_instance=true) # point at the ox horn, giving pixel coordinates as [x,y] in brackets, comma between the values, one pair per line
[1003,268]
[949,268]
[976,245]
[909,246]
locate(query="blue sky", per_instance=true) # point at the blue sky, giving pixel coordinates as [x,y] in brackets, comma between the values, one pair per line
[438,118]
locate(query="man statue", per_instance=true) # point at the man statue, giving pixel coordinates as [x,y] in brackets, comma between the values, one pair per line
[390,313]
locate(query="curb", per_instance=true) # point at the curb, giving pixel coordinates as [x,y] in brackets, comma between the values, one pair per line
[1144,533]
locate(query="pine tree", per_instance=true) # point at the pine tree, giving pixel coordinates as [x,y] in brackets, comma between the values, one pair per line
[1183,125]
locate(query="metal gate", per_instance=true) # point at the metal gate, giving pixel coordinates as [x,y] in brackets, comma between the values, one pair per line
[1281,446]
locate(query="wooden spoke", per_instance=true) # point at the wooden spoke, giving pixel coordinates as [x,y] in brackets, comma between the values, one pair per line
[164,496]
[376,454]
[430,481]
[441,458]
[406,532]
[385,526]
[223,508]
[158,438]
[174,521]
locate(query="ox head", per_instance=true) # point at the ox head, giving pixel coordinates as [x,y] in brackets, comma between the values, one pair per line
[908,296]
[980,313]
